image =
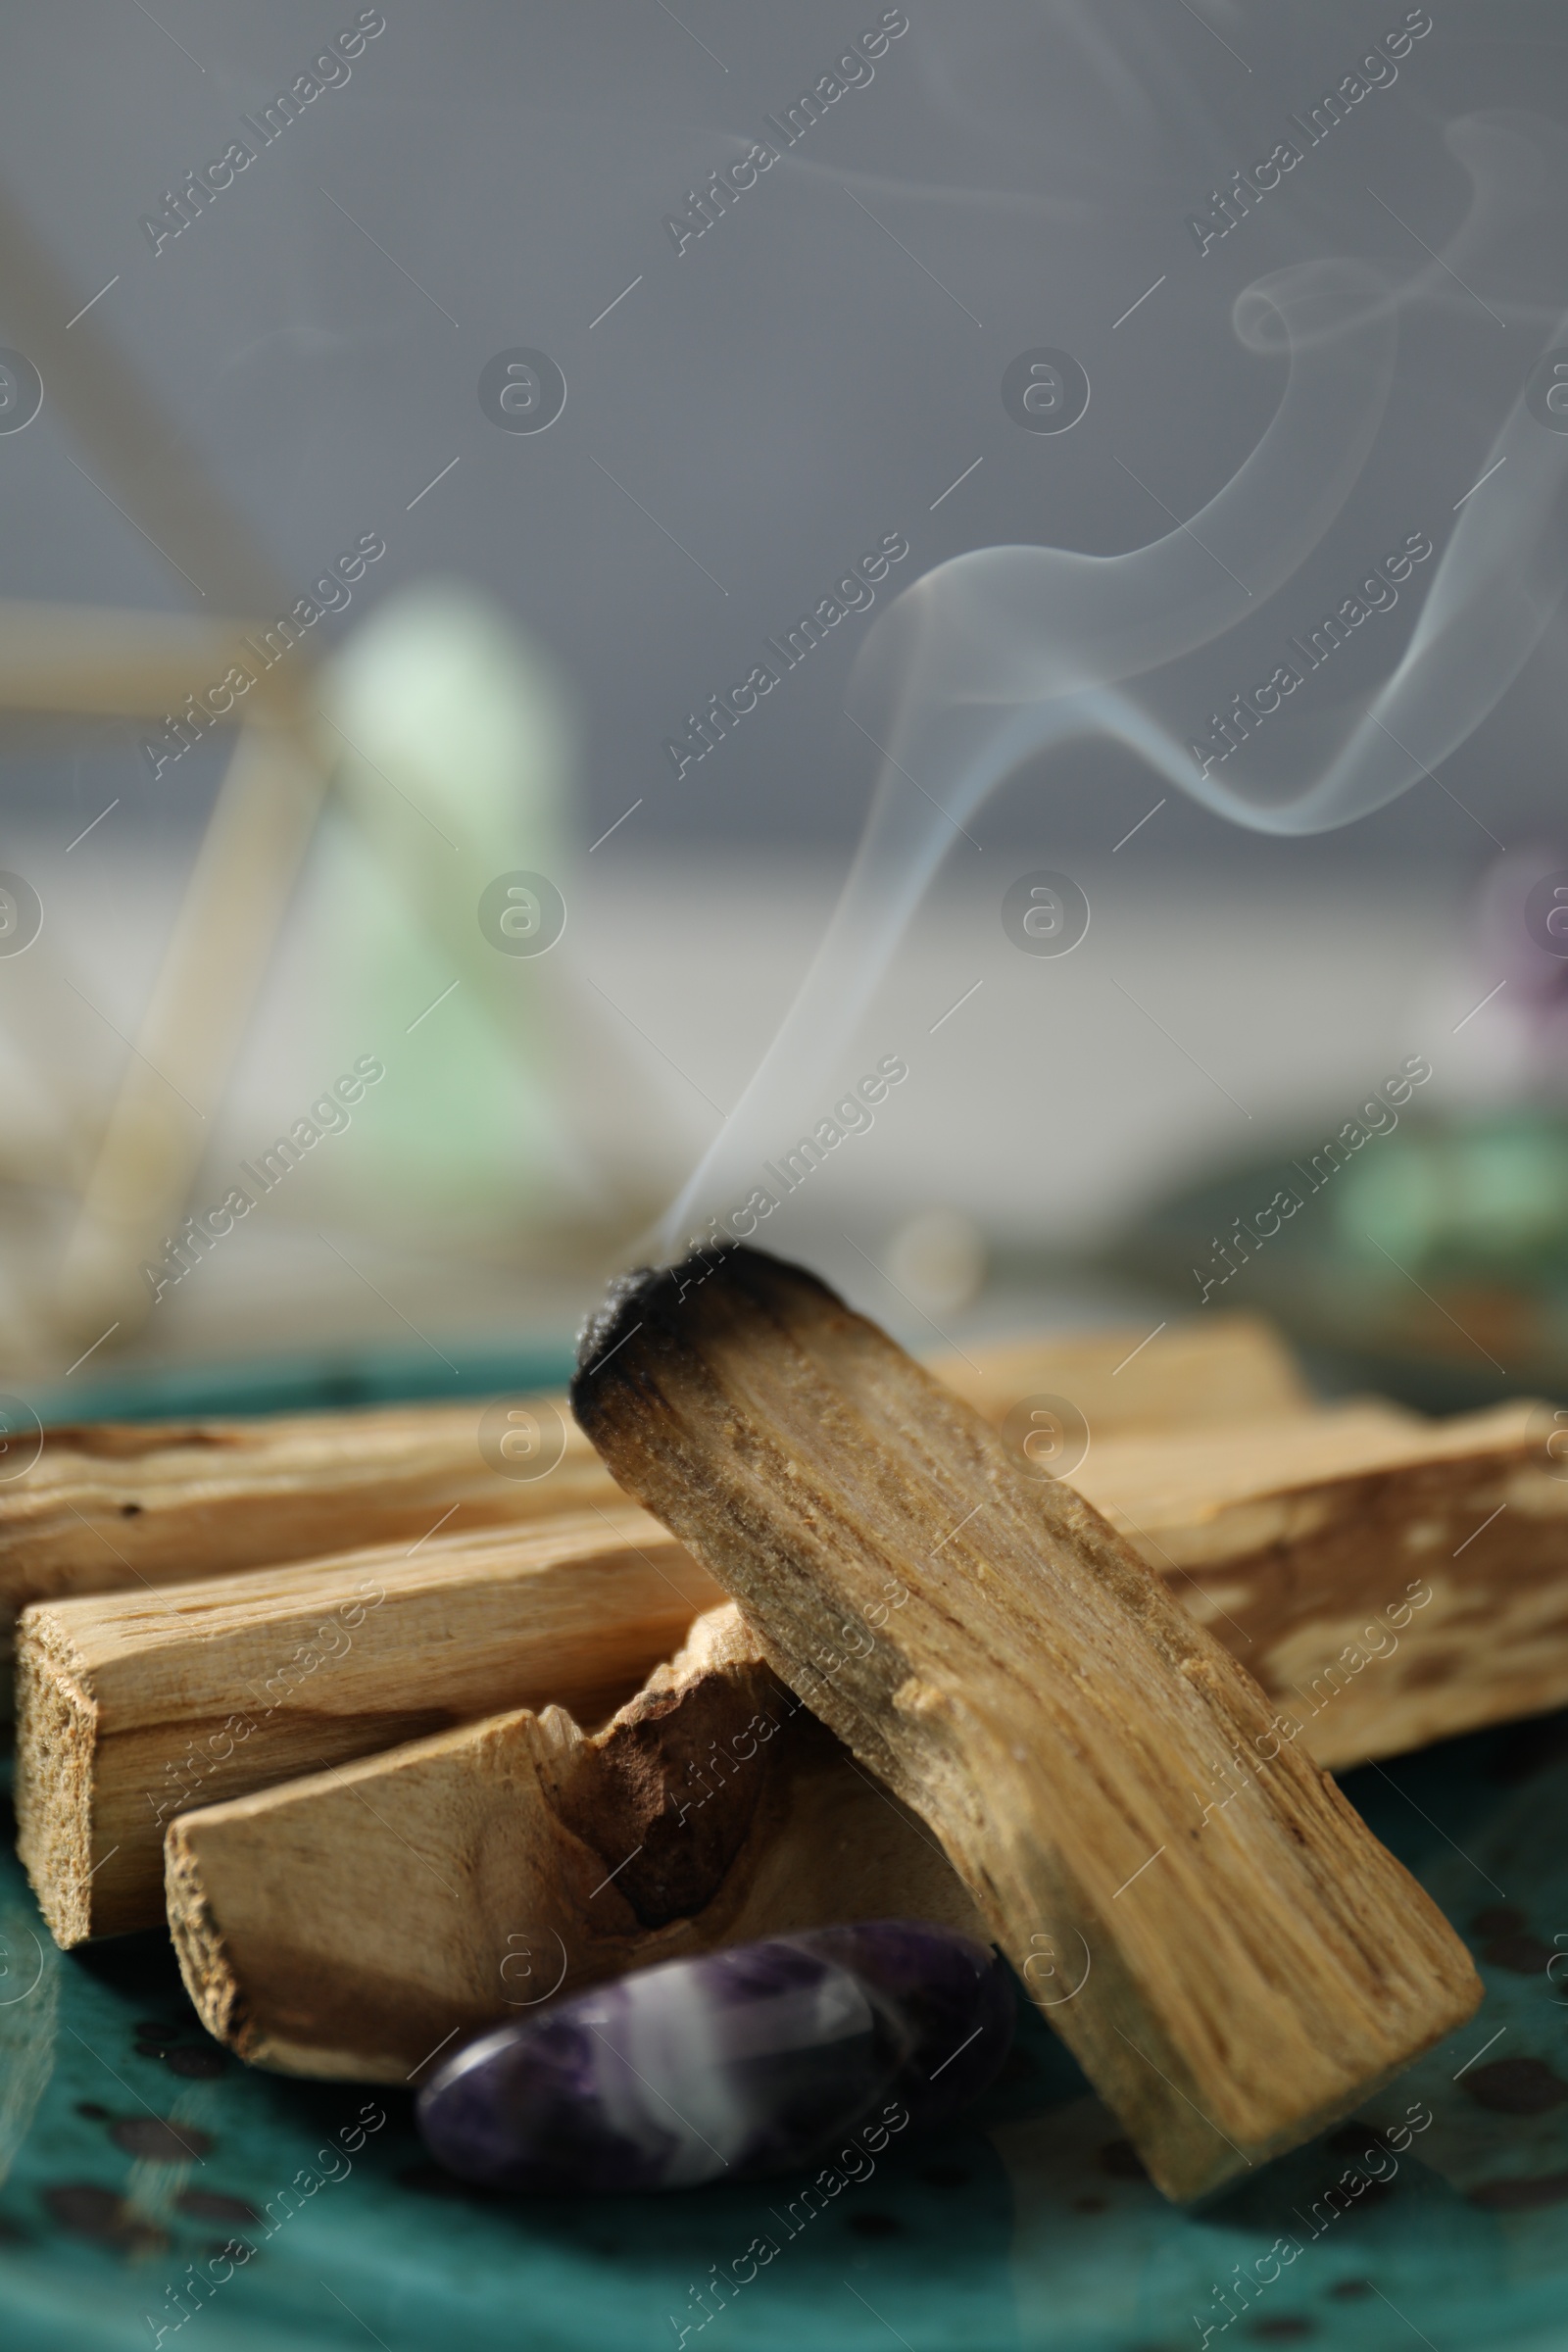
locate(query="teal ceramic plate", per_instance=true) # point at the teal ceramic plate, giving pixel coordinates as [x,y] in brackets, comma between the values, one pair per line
[153,2191]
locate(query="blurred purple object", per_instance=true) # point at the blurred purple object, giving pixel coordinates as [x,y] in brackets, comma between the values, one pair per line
[727,2065]
[1523,1030]
[951,1992]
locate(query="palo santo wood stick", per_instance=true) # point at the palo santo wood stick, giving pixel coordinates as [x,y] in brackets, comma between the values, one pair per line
[137,1706]
[1388,1581]
[214,962]
[996,1654]
[264,813]
[352,1924]
[1293,1542]
[1290,1542]
[117,1505]
[108,1505]
[1234,1369]
[97,662]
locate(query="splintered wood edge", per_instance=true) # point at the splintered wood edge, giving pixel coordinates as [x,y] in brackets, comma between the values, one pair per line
[233,2006]
[814,1842]
[719,1649]
[205,1966]
[53,1778]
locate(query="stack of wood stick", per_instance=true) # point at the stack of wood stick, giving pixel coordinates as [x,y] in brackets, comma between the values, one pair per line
[403,1745]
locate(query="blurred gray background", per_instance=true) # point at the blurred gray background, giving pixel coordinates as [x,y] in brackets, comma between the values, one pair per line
[798,381]
[744,417]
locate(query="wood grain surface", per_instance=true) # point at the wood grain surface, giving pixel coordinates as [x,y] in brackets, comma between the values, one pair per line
[1102,1773]
[134,1707]
[354,1923]
[108,1505]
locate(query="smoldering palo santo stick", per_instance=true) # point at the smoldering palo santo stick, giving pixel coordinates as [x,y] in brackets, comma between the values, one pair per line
[1042,1701]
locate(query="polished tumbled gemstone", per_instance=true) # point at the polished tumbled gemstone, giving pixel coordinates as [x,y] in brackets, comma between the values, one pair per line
[726,2065]
[953,1997]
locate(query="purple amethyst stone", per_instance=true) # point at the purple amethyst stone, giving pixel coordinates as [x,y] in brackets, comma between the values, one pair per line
[953,1997]
[725,2066]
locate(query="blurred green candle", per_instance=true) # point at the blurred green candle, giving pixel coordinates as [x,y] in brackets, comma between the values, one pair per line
[1484,1197]
[456,750]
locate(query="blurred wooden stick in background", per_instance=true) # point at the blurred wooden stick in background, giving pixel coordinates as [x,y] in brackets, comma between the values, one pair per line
[212,967]
[267,809]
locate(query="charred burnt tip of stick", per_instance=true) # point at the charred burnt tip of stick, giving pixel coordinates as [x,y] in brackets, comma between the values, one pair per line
[652,1300]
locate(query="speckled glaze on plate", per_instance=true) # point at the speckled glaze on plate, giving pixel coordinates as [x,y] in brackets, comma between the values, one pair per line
[138,2164]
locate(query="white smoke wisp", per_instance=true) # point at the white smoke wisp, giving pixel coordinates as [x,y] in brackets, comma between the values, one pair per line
[1007,652]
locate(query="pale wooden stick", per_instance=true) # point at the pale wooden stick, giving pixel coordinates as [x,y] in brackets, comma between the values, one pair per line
[1297,1532]
[111,1506]
[1389,1581]
[212,965]
[1225,1369]
[1290,1539]
[135,1707]
[354,1923]
[98,661]
[257,835]
[991,1650]
[117,1506]
[154,475]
